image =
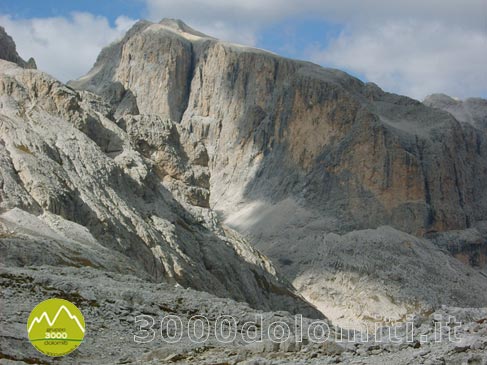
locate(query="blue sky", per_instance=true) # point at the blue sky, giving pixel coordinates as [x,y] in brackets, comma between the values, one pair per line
[54,8]
[414,48]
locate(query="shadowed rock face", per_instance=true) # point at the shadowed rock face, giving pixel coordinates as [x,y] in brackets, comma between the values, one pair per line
[78,189]
[276,128]
[294,151]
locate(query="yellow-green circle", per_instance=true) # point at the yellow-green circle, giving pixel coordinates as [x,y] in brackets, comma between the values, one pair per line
[56,327]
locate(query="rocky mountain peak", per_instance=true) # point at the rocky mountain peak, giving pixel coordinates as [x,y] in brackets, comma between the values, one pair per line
[180,158]
[299,158]
[80,187]
[181,27]
[472,111]
[8,51]
[440,99]
[274,112]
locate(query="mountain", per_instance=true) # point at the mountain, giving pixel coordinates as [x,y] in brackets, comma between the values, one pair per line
[296,130]
[152,185]
[8,51]
[76,189]
[347,188]
[471,111]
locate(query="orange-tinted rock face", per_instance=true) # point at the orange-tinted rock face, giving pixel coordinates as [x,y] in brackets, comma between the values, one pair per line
[473,256]
[276,128]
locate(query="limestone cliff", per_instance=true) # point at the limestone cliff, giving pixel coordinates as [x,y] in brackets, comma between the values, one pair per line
[173,132]
[76,191]
[295,156]
[276,128]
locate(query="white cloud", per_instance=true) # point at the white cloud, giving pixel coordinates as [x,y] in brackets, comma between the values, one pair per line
[344,10]
[413,47]
[249,16]
[413,58]
[64,47]
[221,19]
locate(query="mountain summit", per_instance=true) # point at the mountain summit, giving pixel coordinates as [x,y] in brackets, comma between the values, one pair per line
[302,125]
[309,163]
[82,188]
[180,158]
[181,27]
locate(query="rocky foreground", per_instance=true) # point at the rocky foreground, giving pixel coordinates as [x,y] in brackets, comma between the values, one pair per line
[111,303]
[151,185]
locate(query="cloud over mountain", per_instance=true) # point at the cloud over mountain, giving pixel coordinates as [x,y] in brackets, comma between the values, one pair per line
[414,48]
[64,46]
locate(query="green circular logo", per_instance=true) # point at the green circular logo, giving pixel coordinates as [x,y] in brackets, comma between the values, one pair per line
[56,327]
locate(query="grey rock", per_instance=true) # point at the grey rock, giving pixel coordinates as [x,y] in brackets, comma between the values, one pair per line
[470,111]
[332,348]
[288,125]
[151,176]
[76,188]
[8,51]
[297,153]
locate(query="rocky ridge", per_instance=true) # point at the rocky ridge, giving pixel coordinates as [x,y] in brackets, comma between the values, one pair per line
[305,160]
[358,196]
[76,192]
[8,51]
[471,111]
[296,130]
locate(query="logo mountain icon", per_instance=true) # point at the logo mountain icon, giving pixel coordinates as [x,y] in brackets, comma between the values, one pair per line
[56,327]
[45,316]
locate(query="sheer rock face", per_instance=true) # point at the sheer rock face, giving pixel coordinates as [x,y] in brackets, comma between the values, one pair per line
[77,189]
[8,51]
[472,110]
[182,125]
[293,151]
[470,245]
[145,50]
[276,128]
